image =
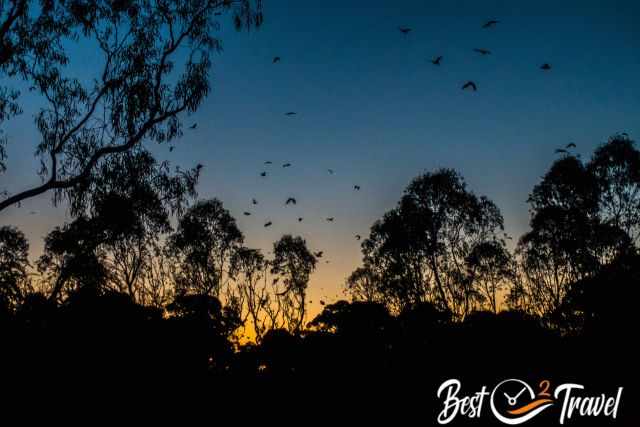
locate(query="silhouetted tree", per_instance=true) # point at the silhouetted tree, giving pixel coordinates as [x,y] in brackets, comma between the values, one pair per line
[127,211]
[582,218]
[361,285]
[14,265]
[134,196]
[491,267]
[616,169]
[429,248]
[249,269]
[204,243]
[30,45]
[293,263]
[206,327]
[156,59]
[73,257]
[158,290]
[598,306]
[356,320]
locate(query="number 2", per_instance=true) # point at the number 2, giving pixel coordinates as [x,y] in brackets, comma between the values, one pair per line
[544,388]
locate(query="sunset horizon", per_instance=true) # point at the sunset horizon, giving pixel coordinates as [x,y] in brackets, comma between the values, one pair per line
[280,192]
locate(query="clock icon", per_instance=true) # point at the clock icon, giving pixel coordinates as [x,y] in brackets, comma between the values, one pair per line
[513,402]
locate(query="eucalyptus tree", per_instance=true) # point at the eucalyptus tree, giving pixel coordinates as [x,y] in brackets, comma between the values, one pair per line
[292,265]
[251,291]
[584,215]
[203,245]
[154,67]
[428,248]
[14,267]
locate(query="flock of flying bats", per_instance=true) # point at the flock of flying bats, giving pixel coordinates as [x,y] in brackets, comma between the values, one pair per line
[436,61]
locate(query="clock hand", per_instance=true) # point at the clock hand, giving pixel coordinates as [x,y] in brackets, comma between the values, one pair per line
[518,395]
[511,400]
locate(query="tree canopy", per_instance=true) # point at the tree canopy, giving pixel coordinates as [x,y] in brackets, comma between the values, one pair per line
[156,59]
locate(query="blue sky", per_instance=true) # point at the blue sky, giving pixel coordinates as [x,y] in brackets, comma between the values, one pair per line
[374,109]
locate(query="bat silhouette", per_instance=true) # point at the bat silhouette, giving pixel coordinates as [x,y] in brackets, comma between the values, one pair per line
[471,85]
[491,23]
[482,51]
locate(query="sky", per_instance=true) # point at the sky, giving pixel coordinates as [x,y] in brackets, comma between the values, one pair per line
[372,107]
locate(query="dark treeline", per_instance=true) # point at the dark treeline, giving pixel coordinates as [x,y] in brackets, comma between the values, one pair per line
[148,290]
[120,293]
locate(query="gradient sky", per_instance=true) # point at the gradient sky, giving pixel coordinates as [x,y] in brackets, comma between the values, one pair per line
[374,109]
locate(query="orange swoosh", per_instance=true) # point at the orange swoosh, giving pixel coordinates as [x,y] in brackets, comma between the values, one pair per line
[530,406]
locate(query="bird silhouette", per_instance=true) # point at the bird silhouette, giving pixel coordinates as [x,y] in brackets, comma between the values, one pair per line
[171,148]
[330,219]
[300,219]
[291,200]
[276,59]
[404,30]
[286,165]
[491,23]
[545,67]
[436,61]
[193,126]
[290,113]
[471,85]
[254,201]
[322,302]
[318,254]
[561,151]
[263,174]
[268,224]
[356,187]
[358,237]
[268,162]
[330,171]
[571,145]
[482,51]
[247,213]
